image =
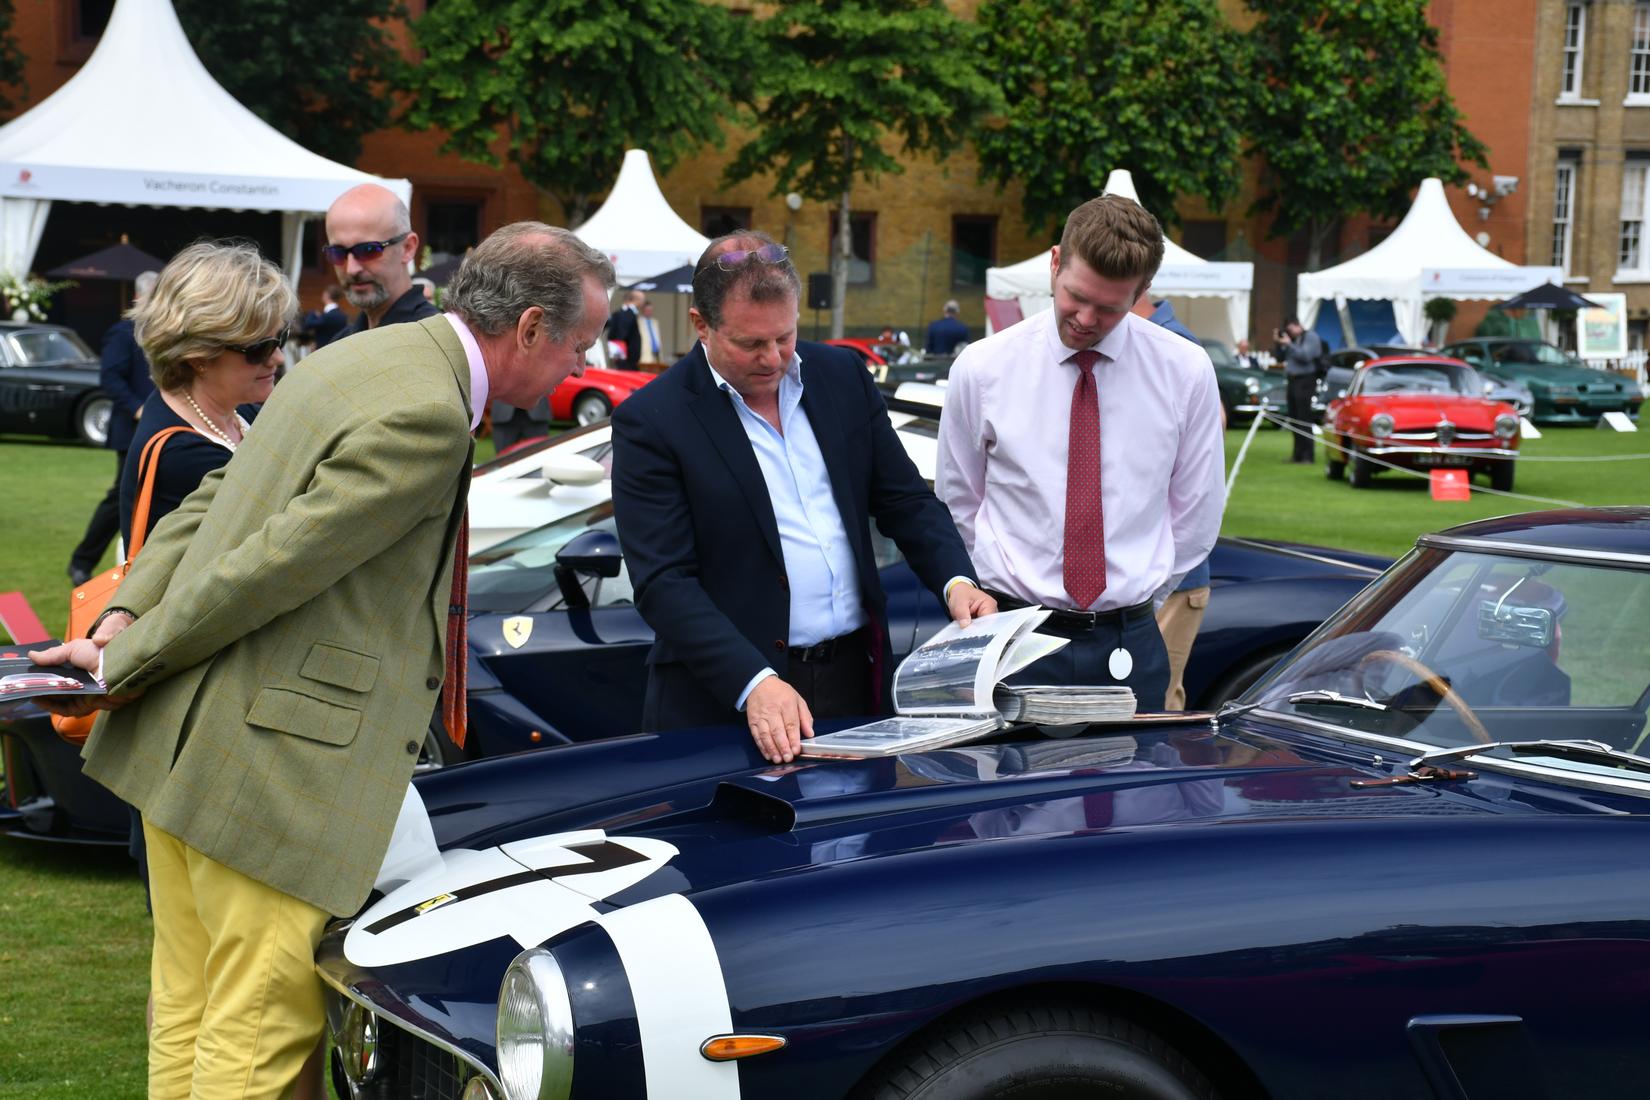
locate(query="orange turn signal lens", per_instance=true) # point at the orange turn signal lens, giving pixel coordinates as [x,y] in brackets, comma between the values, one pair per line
[726,1048]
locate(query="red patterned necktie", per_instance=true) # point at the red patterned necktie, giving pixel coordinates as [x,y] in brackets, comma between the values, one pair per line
[454,712]
[1085,550]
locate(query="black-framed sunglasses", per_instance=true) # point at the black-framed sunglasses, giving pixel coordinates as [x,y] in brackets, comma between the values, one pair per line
[737,257]
[258,353]
[366,250]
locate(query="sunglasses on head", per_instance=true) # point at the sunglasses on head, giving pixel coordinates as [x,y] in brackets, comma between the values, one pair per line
[366,250]
[737,257]
[256,354]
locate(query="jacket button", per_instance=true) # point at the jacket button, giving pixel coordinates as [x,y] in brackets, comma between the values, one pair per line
[412,748]
[432,683]
[778,645]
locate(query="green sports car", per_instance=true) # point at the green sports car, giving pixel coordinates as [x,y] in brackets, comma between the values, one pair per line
[1245,392]
[1565,391]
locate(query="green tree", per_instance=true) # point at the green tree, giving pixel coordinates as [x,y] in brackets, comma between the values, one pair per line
[1350,111]
[316,70]
[11,58]
[841,83]
[1153,86]
[564,87]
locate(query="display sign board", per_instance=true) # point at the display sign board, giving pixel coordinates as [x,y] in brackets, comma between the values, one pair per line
[1484,282]
[1188,280]
[1601,333]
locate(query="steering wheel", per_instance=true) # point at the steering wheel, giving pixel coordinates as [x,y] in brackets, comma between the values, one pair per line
[1432,680]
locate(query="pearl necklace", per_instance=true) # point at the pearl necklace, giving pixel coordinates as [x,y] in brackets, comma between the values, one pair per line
[210,425]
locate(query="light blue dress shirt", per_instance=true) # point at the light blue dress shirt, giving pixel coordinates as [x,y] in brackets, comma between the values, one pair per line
[819,559]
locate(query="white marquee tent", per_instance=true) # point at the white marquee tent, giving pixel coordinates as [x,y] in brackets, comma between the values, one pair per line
[1429,255]
[1212,299]
[143,124]
[636,227]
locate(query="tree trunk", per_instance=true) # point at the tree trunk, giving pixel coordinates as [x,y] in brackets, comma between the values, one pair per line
[1315,233]
[844,246]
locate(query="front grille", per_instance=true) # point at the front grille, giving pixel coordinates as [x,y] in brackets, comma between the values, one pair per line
[409,1067]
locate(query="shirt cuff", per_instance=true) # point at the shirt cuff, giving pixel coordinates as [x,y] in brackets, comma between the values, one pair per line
[750,687]
[953,582]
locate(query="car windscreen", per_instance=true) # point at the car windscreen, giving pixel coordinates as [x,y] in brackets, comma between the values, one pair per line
[1435,378]
[518,573]
[1219,354]
[49,346]
[1454,648]
[1529,351]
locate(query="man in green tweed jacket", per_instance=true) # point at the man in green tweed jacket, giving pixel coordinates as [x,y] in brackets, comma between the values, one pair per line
[282,634]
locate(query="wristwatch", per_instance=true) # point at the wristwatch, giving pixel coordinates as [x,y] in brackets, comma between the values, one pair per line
[107,611]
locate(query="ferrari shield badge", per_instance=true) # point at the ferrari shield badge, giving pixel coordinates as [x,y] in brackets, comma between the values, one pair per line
[517,629]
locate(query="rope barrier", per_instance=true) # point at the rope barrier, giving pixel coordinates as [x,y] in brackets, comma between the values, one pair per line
[1289,426]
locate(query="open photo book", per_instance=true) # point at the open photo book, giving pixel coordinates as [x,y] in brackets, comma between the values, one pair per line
[949,690]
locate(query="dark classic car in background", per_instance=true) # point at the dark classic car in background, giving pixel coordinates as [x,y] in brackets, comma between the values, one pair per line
[1421,413]
[50,385]
[1245,391]
[545,670]
[1563,389]
[1410,862]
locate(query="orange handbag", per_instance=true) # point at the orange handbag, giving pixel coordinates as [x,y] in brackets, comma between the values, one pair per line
[89,600]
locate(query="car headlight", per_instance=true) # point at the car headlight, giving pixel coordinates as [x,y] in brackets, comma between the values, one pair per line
[535,1029]
[1381,425]
[1506,426]
[1251,385]
[358,1044]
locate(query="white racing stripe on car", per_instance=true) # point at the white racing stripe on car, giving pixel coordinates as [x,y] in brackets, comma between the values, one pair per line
[676,983]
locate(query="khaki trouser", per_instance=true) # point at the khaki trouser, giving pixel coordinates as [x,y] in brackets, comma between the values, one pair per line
[1178,619]
[237,1001]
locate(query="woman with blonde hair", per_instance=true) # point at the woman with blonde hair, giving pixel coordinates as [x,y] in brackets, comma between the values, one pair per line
[213,329]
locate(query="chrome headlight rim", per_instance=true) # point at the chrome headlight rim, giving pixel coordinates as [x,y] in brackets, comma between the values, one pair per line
[535,1029]
[358,1044]
[1506,426]
[1381,425]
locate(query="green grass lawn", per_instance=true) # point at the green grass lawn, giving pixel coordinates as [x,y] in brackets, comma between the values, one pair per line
[73,949]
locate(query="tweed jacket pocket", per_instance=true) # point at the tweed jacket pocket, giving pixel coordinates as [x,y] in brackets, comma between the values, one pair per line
[304,716]
[346,668]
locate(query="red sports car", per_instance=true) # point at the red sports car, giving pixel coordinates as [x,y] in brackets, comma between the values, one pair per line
[591,397]
[1420,413]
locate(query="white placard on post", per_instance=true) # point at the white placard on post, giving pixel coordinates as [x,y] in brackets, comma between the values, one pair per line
[1617,421]
[1526,429]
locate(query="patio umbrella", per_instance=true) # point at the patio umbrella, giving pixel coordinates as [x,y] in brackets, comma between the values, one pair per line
[1547,296]
[119,262]
[675,281]
[442,273]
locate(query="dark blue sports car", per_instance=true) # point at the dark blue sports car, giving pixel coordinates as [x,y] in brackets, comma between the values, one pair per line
[1411,861]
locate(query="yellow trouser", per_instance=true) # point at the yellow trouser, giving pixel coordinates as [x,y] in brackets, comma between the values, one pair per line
[237,1001]
[1178,620]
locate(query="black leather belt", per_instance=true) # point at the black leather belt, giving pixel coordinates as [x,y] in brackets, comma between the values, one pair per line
[1078,621]
[826,650]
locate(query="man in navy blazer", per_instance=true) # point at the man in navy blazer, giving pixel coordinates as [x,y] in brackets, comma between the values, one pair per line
[744,482]
[125,378]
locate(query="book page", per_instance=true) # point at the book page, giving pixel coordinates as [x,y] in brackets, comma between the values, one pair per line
[954,672]
[22,680]
[888,736]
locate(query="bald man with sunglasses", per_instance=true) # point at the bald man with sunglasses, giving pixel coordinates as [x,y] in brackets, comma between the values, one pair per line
[371,246]
[745,479]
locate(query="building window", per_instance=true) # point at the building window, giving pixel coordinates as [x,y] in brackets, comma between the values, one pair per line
[1630,256]
[862,230]
[1575,29]
[717,221]
[1564,212]
[451,227]
[973,248]
[1639,83]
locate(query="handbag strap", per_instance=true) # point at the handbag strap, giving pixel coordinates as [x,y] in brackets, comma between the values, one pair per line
[148,465]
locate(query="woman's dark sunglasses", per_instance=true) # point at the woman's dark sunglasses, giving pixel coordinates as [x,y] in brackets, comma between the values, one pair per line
[256,354]
[736,257]
[366,250]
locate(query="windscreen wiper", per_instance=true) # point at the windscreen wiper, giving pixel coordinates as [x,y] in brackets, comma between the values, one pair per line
[1335,698]
[1426,767]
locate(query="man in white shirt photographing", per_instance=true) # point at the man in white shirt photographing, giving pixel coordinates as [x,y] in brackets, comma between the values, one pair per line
[1080,455]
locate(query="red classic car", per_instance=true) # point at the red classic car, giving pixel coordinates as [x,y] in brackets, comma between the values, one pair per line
[591,396]
[1421,413]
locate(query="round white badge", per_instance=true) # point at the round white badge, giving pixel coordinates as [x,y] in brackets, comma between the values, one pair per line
[1120,664]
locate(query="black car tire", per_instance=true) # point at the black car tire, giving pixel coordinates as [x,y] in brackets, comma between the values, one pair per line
[591,407]
[1040,1052]
[438,750]
[1334,467]
[1501,476]
[92,416]
[1362,472]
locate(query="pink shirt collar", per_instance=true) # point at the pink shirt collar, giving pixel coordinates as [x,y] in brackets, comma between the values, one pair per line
[478,369]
